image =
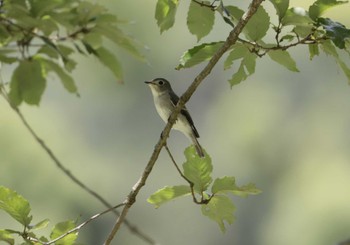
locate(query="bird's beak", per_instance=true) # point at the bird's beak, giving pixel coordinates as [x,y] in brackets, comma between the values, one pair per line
[149,82]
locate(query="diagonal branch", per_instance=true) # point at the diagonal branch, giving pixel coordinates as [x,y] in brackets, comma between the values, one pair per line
[231,40]
[133,229]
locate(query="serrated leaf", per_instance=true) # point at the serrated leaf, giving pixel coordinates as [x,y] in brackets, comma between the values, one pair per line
[239,76]
[168,193]
[247,65]
[27,83]
[336,31]
[66,79]
[283,58]
[313,50]
[197,169]
[228,185]
[220,209]
[281,7]
[320,6]
[165,14]
[40,225]
[111,62]
[258,25]
[15,205]
[200,20]
[62,228]
[198,54]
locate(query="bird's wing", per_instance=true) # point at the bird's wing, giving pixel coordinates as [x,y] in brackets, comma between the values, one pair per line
[174,99]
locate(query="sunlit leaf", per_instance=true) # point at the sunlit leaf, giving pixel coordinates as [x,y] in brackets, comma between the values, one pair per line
[62,228]
[283,58]
[198,54]
[15,205]
[168,193]
[220,209]
[197,169]
[228,185]
[336,31]
[27,83]
[281,7]
[200,20]
[40,225]
[320,6]
[165,14]
[6,237]
[313,50]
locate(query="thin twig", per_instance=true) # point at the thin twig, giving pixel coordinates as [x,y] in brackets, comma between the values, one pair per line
[133,229]
[231,40]
[183,176]
[75,229]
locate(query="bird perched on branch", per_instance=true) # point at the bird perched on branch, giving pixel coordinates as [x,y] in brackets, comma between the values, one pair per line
[165,101]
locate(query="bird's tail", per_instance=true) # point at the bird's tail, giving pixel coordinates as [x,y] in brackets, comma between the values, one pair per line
[198,147]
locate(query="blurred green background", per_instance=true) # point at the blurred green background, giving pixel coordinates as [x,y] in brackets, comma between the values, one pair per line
[287,132]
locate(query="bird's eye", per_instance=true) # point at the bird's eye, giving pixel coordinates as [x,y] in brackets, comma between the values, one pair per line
[160,82]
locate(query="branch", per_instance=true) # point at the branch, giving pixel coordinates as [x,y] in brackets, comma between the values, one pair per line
[183,176]
[231,40]
[75,229]
[133,229]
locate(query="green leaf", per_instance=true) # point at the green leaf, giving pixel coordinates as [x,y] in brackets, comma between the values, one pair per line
[200,20]
[228,185]
[336,31]
[5,58]
[15,205]
[6,236]
[235,12]
[198,54]
[168,193]
[41,225]
[220,209]
[296,16]
[28,83]
[111,62]
[281,7]
[94,39]
[313,50]
[121,39]
[320,6]
[283,58]
[328,47]
[239,76]
[66,80]
[247,66]
[258,25]
[197,169]
[62,228]
[165,14]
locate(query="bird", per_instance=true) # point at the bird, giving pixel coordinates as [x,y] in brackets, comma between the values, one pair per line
[165,101]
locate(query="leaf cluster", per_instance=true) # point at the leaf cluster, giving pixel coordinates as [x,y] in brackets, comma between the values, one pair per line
[211,194]
[19,209]
[40,37]
[294,26]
